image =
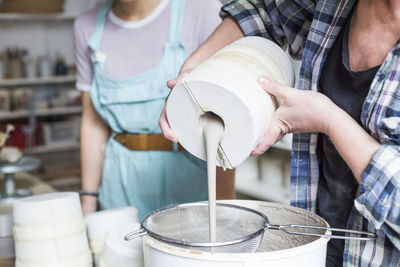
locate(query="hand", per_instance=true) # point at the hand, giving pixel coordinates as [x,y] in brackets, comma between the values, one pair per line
[171,83]
[165,127]
[89,204]
[163,120]
[301,112]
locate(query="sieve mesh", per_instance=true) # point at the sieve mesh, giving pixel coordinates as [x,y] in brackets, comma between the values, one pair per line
[239,230]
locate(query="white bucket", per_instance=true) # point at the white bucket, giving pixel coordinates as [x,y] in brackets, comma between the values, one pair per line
[227,85]
[277,249]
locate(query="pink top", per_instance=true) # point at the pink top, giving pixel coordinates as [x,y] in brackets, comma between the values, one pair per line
[133,47]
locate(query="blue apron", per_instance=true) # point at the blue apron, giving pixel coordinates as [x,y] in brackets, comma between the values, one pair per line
[146,180]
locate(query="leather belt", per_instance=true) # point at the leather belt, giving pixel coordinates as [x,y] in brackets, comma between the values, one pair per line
[145,142]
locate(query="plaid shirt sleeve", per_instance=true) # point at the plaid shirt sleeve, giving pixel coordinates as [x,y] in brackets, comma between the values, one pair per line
[284,22]
[379,199]
[379,193]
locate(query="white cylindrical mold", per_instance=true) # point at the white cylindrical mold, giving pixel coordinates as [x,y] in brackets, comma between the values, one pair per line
[98,223]
[52,249]
[49,230]
[83,259]
[53,207]
[227,85]
[122,253]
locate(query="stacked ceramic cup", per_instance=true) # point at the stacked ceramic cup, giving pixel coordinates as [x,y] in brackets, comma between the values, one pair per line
[98,224]
[119,252]
[7,252]
[49,231]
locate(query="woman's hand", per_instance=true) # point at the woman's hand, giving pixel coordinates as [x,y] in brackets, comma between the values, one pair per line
[89,204]
[165,127]
[301,112]
[163,120]
[171,83]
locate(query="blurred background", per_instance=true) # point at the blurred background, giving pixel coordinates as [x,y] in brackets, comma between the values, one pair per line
[38,97]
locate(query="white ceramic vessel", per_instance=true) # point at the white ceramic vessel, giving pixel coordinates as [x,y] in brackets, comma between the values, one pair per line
[227,85]
[49,230]
[52,249]
[276,250]
[98,223]
[118,251]
[54,207]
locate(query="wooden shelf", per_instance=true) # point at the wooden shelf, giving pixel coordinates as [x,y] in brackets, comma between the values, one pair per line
[37,81]
[37,17]
[40,113]
[54,148]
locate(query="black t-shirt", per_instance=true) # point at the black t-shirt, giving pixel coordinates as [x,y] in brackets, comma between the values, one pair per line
[337,185]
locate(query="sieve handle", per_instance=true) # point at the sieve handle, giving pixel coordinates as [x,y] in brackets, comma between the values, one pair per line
[135,234]
[364,236]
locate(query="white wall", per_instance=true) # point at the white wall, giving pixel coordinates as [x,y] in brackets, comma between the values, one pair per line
[44,37]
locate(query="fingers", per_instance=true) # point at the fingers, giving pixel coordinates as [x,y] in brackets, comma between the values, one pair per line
[273,134]
[171,83]
[166,128]
[275,88]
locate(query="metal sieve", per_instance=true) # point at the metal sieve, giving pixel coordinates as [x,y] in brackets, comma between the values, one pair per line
[239,229]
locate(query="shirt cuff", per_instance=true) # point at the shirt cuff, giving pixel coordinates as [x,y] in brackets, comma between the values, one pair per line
[379,188]
[247,16]
[83,87]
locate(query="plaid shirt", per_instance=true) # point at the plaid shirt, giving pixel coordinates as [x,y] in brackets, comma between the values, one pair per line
[309,29]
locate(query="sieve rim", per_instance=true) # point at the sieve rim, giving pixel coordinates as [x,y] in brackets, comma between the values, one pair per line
[204,244]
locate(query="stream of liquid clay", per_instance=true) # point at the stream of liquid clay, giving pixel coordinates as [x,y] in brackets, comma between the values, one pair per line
[213,128]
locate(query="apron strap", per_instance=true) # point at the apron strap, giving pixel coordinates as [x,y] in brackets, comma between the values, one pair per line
[175,26]
[176,20]
[95,39]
